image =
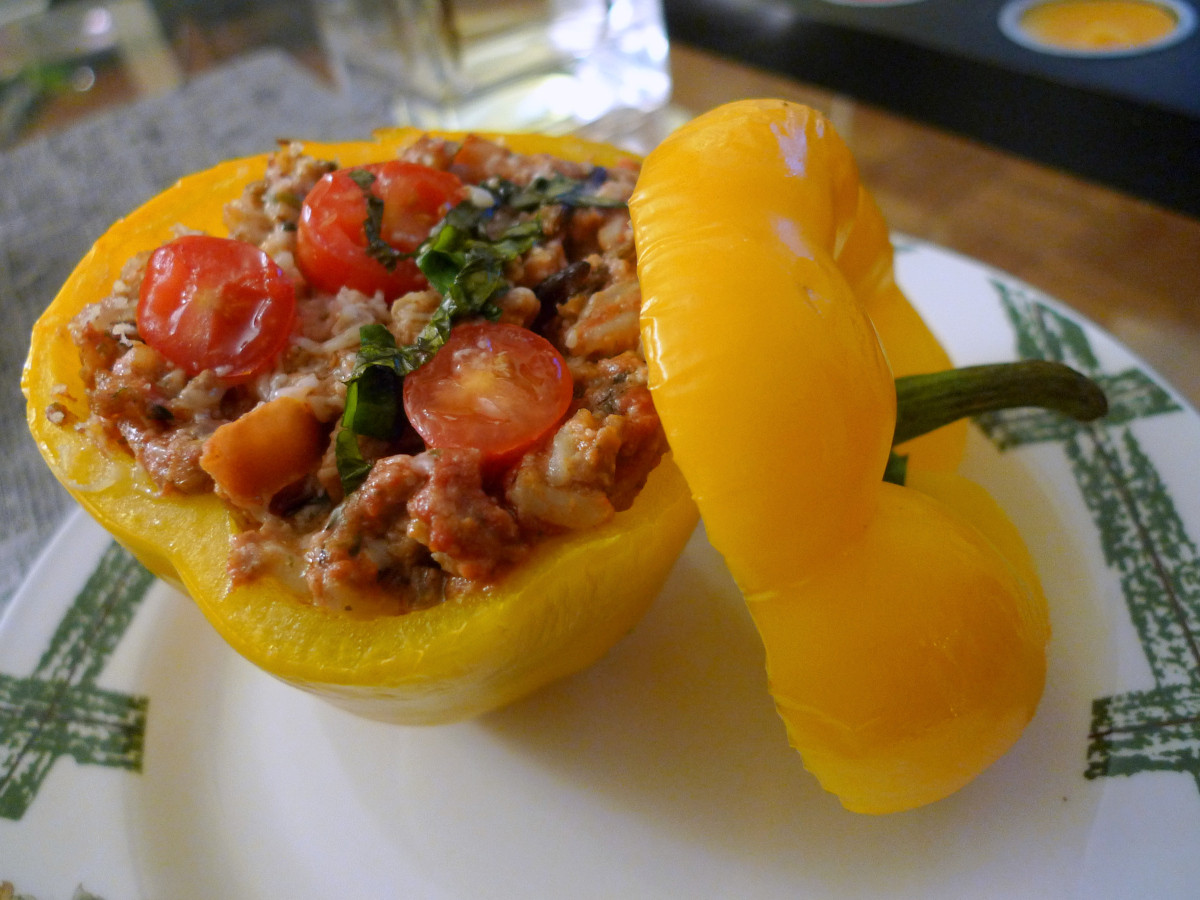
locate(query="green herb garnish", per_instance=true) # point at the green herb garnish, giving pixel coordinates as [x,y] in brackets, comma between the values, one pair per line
[352,468]
[377,248]
[463,259]
[371,402]
[546,190]
[466,267]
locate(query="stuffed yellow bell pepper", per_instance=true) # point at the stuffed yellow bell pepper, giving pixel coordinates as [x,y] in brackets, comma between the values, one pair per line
[904,626]
[556,612]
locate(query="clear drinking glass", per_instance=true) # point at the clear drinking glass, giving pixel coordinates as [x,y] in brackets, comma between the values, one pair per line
[512,65]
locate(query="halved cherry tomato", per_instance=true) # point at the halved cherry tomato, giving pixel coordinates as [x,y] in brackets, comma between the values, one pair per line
[331,238]
[216,303]
[495,387]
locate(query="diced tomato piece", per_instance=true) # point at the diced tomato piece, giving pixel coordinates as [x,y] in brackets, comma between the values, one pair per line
[498,388]
[216,303]
[333,248]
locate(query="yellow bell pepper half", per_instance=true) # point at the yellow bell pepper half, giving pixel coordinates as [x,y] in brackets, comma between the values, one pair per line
[559,612]
[904,627]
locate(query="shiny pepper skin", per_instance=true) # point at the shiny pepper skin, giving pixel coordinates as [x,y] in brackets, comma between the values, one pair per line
[560,611]
[904,627]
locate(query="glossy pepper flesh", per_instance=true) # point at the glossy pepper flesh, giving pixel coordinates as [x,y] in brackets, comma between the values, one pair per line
[560,611]
[904,627]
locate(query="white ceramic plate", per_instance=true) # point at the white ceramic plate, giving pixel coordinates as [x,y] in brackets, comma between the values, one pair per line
[141,758]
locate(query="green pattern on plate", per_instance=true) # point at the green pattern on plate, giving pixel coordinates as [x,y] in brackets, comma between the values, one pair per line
[1144,541]
[58,710]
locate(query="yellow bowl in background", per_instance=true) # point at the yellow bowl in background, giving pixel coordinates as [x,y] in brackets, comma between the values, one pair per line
[1097,27]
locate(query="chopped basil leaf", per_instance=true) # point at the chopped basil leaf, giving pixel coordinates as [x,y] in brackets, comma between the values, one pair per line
[467,270]
[352,468]
[377,347]
[371,406]
[439,258]
[377,248]
[545,190]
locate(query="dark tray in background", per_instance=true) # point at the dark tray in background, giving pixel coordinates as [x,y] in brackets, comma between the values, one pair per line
[1130,122]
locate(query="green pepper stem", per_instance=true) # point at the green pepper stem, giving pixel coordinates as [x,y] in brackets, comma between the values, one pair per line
[927,402]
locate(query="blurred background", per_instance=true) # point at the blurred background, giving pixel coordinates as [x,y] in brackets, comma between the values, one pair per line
[61,59]
[1130,120]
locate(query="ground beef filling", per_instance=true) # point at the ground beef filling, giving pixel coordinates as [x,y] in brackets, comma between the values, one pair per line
[426,523]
